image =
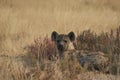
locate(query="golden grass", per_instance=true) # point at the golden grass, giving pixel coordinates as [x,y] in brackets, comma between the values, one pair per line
[62,16]
[13,68]
[23,20]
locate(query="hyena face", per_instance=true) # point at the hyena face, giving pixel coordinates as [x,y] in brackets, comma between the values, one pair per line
[63,41]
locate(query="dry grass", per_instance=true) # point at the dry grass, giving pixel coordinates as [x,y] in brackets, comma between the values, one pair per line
[40,63]
[16,70]
[22,21]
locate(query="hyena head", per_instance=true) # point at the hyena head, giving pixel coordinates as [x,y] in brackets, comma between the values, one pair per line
[63,42]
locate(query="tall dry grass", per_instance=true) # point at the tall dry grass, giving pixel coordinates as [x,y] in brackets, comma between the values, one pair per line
[21,21]
[40,61]
[27,19]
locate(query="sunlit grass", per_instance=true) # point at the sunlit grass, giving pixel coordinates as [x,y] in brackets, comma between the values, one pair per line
[23,21]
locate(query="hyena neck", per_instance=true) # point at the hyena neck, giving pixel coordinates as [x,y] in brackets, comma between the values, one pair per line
[71,47]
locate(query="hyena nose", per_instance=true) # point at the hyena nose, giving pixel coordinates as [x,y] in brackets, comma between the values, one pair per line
[60,47]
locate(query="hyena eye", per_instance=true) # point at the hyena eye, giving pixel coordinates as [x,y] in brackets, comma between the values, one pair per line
[65,41]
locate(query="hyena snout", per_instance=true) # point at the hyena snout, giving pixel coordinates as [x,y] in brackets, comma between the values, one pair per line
[61,46]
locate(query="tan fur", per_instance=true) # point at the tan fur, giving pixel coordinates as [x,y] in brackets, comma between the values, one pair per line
[71,46]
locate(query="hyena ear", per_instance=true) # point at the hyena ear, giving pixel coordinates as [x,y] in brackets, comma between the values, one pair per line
[71,35]
[54,35]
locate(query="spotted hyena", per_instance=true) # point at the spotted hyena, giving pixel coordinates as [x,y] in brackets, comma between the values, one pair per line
[63,42]
[93,60]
